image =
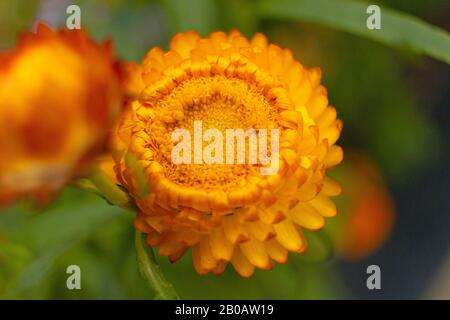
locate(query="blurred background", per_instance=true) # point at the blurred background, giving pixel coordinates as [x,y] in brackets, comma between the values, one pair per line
[394,213]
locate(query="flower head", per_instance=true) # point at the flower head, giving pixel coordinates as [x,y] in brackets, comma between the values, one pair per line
[59,95]
[227,212]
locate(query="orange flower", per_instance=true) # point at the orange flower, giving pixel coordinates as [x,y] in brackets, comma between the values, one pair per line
[369,210]
[59,95]
[227,212]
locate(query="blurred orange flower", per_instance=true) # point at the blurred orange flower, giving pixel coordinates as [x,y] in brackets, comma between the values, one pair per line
[368,217]
[59,95]
[227,212]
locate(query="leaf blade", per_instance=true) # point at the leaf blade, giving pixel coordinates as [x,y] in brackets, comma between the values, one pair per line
[397,29]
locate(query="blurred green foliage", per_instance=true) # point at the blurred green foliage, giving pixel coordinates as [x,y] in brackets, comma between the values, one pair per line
[81,229]
[367,82]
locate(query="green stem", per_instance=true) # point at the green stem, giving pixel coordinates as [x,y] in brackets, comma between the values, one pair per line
[151,271]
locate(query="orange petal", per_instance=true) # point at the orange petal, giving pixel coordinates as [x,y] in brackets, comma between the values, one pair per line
[276,251]
[270,216]
[327,117]
[259,40]
[331,187]
[334,156]
[178,254]
[221,248]
[167,248]
[261,231]
[324,205]
[197,261]
[241,264]
[289,237]
[234,231]
[184,42]
[220,268]
[306,216]
[255,252]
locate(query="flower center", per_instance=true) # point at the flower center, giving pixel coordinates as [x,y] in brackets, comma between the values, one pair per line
[219,103]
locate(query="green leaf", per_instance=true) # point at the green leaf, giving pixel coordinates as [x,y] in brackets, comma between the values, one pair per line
[397,29]
[198,15]
[49,234]
[13,259]
[238,14]
[66,223]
